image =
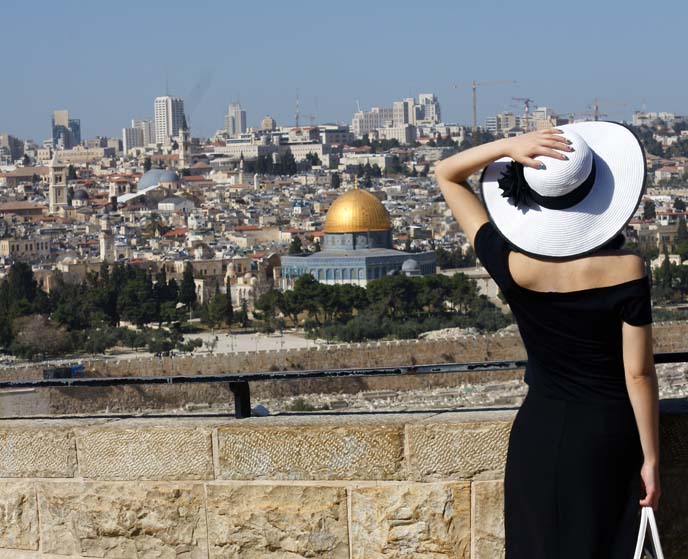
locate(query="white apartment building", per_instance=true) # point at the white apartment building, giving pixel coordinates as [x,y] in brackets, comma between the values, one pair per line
[382,160]
[404,134]
[365,121]
[503,122]
[169,115]
[132,138]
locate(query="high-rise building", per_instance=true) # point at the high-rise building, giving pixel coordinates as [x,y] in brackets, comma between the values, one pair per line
[13,146]
[235,120]
[429,108]
[268,123]
[169,114]
[132,138]
[404,112]
[66,132]
[147,128]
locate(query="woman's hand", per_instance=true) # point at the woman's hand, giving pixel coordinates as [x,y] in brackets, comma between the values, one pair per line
[649,474]
[526,147]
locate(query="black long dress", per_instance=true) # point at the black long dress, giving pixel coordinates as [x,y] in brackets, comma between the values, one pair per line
[572,478]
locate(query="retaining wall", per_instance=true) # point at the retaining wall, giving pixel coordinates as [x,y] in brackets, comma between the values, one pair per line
[363,486]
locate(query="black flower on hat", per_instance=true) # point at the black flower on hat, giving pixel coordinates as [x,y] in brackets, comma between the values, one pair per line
[513,184]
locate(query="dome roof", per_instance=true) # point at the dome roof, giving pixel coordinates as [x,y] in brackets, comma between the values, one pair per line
[81,194]
[409,265]
[168,175]
[357,210]
[155,177]
[149,178]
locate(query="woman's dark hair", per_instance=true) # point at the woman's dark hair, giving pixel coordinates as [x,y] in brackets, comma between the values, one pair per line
[615,243]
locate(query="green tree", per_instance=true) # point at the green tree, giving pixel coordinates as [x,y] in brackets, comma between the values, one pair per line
[335,180]
[187,289]
[296,246]
[649,210]
[229,310]
[681,231]
[217,310]
[147,164]
[288,163]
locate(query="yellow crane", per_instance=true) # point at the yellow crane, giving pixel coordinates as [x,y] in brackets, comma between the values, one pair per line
[474,86]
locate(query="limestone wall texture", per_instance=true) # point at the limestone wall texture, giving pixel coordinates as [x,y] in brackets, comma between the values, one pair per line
[668,336]
[364,486]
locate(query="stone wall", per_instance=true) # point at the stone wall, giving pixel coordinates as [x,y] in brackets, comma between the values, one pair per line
[363,486]
[669,336]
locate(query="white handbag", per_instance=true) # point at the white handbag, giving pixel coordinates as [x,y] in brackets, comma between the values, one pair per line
[647,515]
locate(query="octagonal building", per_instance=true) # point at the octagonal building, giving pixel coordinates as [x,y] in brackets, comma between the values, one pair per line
[357,246]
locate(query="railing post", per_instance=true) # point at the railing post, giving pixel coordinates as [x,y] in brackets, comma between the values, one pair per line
[242,399]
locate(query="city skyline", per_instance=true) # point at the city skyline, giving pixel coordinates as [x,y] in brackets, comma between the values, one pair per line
[265,63]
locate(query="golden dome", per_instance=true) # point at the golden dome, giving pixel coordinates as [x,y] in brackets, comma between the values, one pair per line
[357,210]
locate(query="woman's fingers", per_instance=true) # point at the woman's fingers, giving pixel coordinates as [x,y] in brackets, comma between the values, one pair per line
[561,144]
[530,162]
[551,153]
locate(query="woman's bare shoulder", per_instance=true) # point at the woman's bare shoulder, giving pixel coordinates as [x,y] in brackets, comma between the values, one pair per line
[618,266]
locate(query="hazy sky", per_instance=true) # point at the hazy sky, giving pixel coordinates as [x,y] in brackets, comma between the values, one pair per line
[106,61]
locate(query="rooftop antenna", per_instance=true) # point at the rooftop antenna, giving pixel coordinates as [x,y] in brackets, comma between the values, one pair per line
[298,108]
[474,86]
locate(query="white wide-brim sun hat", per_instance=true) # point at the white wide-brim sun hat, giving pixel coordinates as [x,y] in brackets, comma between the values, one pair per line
[608,164]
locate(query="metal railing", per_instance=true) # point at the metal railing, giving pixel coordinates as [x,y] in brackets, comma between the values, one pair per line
[240,387]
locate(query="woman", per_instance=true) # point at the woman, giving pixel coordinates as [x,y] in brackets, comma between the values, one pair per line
[548,231]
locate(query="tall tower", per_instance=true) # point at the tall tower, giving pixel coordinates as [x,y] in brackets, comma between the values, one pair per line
[241,169]
[184,146]
[57,190]
[169,113]
[107,246]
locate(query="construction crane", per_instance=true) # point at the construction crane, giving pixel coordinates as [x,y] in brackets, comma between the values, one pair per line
[596,107]
[526,102]
[474,86]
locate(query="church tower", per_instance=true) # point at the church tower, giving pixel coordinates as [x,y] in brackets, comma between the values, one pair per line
[184,145]
[57,190]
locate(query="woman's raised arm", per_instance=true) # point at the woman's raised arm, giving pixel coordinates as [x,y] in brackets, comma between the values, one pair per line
[451,173]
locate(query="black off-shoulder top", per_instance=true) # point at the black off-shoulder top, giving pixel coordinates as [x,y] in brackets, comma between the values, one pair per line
[573,339]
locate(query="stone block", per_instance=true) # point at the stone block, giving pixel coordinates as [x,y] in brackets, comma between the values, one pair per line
[487,520]
[18,515]
[37,452]
[138,453]
[324,450]
[276,522]
[423,521]
[453,450]
[672,514]
[123,520]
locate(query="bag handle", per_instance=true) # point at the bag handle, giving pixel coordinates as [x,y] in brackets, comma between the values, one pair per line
[647,515]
